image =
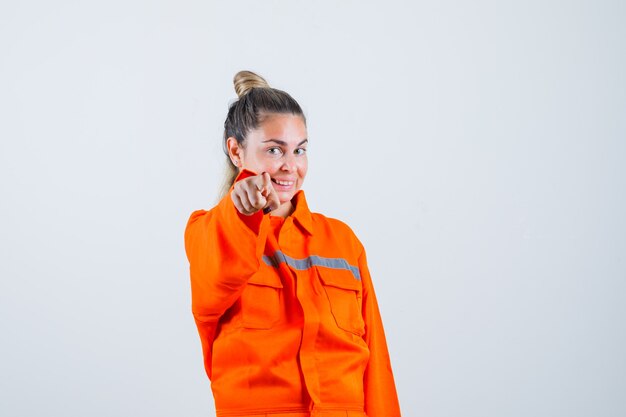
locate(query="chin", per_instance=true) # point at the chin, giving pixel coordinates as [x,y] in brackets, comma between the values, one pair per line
[284,197]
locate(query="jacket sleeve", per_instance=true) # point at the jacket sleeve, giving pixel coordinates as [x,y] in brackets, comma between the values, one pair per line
[381,399]
[224,249]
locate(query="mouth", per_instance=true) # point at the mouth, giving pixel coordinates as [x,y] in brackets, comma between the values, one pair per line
[283,185]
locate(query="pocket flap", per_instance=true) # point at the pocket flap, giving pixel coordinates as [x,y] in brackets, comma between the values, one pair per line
[340,278]
[266,278]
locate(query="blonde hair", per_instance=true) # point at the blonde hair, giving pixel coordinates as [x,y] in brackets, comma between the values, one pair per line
[247,80]
[255,100]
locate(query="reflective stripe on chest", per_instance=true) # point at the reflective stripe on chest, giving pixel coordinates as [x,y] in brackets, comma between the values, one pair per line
[310,261]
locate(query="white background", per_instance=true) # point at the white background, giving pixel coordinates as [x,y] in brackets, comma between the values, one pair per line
[476,148]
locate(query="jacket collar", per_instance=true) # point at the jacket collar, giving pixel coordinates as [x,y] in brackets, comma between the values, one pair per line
[301,214]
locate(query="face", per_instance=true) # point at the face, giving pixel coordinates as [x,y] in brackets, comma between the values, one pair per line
[278,147]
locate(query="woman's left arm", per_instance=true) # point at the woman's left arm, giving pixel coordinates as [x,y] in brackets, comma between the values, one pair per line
[381,398]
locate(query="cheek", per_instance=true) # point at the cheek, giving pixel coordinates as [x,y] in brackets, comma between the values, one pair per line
[303,168]
[268,165]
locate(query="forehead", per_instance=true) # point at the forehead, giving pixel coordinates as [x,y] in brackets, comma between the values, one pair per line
[283,127]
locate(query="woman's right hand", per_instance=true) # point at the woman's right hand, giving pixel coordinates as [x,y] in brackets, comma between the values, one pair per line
[255,193]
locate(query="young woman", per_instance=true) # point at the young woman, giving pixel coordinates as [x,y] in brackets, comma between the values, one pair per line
[282,297]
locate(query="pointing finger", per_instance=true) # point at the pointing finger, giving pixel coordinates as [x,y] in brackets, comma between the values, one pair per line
[267,183]
[273,202]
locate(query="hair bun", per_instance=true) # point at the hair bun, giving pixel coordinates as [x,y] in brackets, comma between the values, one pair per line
[246,80]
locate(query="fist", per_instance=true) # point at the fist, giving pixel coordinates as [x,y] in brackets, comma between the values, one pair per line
[255,193]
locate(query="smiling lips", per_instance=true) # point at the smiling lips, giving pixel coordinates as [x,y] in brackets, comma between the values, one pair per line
[283,184]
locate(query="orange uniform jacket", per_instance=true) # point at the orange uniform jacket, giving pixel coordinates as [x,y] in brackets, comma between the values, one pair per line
[287,315]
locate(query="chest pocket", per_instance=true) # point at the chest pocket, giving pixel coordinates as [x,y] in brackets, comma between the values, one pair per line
[260,300]
[344,294]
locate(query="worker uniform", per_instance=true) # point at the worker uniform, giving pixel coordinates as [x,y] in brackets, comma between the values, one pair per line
[287,315]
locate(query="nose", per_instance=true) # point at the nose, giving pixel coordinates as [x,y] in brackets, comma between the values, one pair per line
[289,163]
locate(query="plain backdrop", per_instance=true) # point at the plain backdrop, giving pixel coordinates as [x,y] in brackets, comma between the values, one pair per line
[477,148]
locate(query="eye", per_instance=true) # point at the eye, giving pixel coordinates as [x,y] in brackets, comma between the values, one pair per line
[274,151]
[300,151]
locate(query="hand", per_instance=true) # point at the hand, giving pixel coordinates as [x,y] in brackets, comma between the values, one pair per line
[255,193]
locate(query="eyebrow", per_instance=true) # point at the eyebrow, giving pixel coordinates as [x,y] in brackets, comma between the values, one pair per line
[283,143]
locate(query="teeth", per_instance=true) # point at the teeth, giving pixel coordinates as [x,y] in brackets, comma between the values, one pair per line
[286,183]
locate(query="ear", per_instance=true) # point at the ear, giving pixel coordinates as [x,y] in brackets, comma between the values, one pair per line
[235,151]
